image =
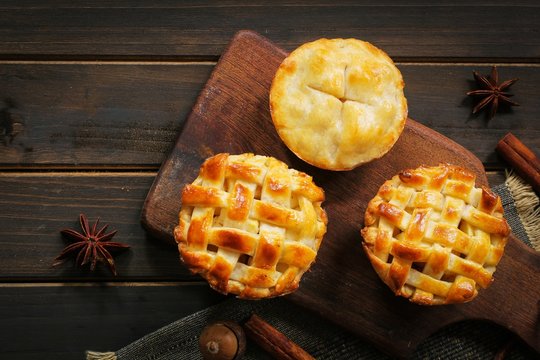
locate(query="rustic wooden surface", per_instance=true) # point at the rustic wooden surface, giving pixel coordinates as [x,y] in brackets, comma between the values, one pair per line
[92,99]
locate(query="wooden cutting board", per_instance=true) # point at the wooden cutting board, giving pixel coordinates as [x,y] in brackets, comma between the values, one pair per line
[231,115]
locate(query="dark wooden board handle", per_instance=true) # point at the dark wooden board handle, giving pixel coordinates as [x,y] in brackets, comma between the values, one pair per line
[231,115]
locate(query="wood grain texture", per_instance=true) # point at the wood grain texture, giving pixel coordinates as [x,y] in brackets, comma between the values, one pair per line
[436,96]
[191,30]
[231,115]
[88,114]
[62,321]
[104,87]
[34,207]
[95,113]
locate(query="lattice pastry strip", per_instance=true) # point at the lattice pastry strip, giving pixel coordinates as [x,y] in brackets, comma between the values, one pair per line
[250,225]
[433,237]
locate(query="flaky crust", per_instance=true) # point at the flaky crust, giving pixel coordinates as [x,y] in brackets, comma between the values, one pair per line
[338,103]
[250,225]
[433,237]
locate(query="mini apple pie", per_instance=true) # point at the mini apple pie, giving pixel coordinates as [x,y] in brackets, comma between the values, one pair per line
[250,225]
[338,103]
[433,237]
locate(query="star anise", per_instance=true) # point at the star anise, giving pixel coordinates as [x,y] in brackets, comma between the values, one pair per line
[92,245]
[492,92]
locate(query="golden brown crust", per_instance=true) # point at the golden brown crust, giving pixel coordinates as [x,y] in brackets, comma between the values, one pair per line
[250,225]
[433,237]
[338,103]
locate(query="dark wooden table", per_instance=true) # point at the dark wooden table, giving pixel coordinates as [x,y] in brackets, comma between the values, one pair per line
[93,97]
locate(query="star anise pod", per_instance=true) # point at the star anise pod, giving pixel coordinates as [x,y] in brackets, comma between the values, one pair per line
[493,92]
[92,245]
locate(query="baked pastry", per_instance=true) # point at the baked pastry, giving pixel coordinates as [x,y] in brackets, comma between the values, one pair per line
[250,225]
[433,237]
[338,103]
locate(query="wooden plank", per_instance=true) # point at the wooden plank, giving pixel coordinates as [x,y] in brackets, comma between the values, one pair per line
[193,30]
[55,321]
[173,4]
[436,94]
[95,114]
[341,278]
[62,321]
[68,113]
[34,207]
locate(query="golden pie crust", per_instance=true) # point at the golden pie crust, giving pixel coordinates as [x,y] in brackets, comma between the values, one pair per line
[338,103]
[433,237]
[250,225]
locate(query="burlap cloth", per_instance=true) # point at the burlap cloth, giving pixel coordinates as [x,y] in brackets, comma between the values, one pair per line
[325,340]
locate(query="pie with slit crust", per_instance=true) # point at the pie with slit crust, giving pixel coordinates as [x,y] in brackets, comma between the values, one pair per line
[338,103]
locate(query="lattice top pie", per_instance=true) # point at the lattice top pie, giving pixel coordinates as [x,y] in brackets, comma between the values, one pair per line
[338,103]
[433,237]
[250,225]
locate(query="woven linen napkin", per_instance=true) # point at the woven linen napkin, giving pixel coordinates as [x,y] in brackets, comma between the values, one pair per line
[325,340]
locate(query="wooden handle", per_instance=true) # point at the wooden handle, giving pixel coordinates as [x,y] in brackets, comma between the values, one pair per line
[513,300]
[397,326]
